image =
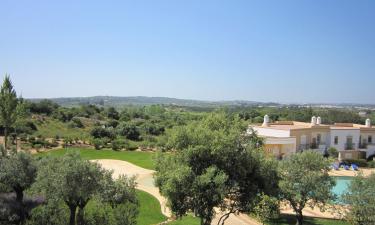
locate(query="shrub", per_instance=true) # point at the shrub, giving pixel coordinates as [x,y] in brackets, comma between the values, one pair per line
[332,152]
[371,164]
[75,123]
[131,146]
[117,144]
[130,131]
[100,132]
[97,143]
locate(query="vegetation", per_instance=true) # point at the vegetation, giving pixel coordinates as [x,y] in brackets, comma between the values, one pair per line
[361,198]
[149,211]
[11,108]
[17,174]
[214,165]
[142,159]
[305,182]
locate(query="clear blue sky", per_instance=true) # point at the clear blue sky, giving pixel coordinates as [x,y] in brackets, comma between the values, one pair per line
[283,51]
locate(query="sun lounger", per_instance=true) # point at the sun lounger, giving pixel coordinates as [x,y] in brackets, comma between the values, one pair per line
[354,167]
[335,166]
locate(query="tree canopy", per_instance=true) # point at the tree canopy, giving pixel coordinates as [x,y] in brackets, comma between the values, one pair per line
[305,182]
[361,198]
[214,165]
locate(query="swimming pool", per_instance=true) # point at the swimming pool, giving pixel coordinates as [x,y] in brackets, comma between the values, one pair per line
[342,184]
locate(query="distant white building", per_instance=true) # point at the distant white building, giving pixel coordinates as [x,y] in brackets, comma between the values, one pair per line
[284,138]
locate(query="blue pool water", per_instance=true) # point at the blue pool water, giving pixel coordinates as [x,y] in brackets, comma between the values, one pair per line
[342,184]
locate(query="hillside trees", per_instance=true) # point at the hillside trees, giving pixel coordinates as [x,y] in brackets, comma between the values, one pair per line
[215,165]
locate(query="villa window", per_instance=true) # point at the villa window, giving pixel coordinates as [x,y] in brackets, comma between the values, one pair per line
[318,139]
[369,139]
[336,140]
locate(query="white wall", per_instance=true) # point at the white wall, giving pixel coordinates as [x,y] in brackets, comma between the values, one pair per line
[269,132]
[342,134]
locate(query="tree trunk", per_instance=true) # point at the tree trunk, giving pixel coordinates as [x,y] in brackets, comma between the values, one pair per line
[299,216]
[19,198]
[72,219]
[80,216]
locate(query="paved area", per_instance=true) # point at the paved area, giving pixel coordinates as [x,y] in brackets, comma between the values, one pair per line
[145,182]
[351,173]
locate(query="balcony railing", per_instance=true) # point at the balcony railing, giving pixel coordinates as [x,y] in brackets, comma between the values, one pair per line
[310,146]
[363,145]
[349,146]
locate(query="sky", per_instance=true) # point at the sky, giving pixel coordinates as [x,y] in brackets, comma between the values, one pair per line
[299,51]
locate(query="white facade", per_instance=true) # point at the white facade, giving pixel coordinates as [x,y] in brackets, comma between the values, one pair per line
[287,137]
[344,139]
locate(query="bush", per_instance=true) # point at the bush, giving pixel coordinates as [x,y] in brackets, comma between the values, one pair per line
[130,131]
[117,144]
[100,132]
[371,164]
[130,146]
[359,162]
[75,123]
[98,143]
[333,153]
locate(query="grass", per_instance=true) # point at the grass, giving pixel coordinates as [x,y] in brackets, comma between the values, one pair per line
[290,219]
[149,211]
[142,159]
[190,220]
[52,127]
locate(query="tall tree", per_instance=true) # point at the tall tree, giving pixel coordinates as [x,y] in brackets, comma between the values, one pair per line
[9,107]
[305,182]
[361,198]
[215,165]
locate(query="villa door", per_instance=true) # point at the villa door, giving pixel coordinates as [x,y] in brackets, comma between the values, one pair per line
[349,143]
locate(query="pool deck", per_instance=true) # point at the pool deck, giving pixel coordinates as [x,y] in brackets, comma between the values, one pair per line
[350,173]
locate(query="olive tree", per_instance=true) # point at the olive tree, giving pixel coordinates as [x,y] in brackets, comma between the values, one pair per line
[215,164]
[361,198]
[305,182]
[18,173]
[71,179]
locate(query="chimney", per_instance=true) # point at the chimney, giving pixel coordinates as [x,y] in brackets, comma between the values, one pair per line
[266,121]
[368,123]
[319,120]
[313,120]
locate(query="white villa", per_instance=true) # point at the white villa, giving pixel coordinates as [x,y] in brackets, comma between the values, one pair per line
[282,138]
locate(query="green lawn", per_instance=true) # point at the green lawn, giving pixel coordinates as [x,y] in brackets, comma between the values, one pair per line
[187,220]
[149,211]
[289,219]
[142,159]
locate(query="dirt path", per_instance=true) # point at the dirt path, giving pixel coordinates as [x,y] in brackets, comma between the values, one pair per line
[144,178]
[145,182]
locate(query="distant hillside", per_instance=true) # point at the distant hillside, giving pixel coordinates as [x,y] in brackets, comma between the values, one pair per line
[141,101]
